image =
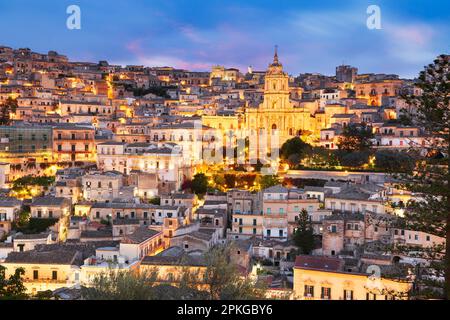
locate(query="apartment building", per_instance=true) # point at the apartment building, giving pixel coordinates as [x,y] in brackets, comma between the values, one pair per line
[73,142]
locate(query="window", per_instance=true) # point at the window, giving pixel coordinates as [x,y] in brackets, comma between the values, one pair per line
[54,275]
[309,291]
[326,293]
[35,274]
[348,294]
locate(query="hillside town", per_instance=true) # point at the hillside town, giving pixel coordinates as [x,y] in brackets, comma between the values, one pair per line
[133,168]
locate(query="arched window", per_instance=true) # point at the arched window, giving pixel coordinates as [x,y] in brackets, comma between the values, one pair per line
[274,127]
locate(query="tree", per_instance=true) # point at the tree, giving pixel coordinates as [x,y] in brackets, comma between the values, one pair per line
[121,285]
[9,106]
[155,201]
[353,159]
[431,179]
[44,295]
[294,150]
[230,180]
[36,225]
[303,235]
[321,157]
[392,161]
[356,137]
[223,279]
[267,181]
[12,288]
[200,184]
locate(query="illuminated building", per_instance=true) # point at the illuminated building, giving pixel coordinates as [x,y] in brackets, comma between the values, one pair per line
[165,160]
[323,278]
[276,115]
[374,91]
[73,142]
[26,143]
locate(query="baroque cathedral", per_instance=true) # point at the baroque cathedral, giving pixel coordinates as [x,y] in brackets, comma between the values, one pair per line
[276,115]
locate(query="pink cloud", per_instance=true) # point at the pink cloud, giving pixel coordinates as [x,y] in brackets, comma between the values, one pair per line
[415,34]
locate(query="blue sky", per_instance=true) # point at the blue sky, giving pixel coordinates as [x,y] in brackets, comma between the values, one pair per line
[313,36]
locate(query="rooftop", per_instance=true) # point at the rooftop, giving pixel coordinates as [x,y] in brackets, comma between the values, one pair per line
[319,263]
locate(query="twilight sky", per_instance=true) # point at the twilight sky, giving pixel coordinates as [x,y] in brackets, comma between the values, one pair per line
[313,36]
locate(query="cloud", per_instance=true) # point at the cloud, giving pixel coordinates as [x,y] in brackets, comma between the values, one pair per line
[310,38]
[412,43]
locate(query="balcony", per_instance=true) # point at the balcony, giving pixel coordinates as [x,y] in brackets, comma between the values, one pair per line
[275,223]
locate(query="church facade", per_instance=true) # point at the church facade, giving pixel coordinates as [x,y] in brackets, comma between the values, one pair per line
[276,116]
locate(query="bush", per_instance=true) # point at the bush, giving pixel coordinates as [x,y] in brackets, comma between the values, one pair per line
[155,201]
[35,225]
[355,159]
[294,150]
[393,161]
[200,184]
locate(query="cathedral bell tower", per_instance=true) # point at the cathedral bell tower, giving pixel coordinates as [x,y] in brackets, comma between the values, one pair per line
[276,89]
